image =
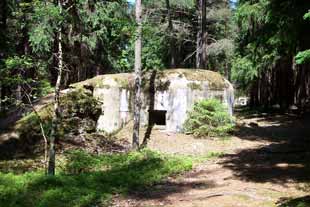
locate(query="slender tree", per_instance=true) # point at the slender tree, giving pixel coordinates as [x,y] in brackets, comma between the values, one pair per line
[202,35]
[138,66]
[3,25]
[56,116]
[172,44]
[41,123]
[198,35]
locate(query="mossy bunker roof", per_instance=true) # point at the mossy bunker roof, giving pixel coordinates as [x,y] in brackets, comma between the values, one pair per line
[126,80]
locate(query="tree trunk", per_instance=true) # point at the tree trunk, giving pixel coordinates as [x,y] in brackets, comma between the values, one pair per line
[227,71]
[138,66]
[198,37]
[202,35]
[3,14]
[18,94]
[0,97]
[56,116]
[3,26]
[171,39]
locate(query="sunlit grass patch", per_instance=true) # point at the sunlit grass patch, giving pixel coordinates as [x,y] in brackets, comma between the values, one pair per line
[88,179]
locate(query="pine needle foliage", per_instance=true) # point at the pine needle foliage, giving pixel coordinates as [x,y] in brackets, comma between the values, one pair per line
[208,118]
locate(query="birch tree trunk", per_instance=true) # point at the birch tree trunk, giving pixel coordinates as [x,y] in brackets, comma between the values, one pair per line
[198,37]
[138,66]
[56,116]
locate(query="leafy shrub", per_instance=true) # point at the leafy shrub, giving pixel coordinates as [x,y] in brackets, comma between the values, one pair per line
[208,118]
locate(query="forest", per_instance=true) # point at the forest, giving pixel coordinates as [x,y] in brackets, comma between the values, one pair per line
[136,103]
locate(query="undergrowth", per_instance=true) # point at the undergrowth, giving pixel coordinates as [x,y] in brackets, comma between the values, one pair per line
[89,180]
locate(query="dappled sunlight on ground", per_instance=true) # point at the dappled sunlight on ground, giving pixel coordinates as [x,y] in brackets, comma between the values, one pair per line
[266,163]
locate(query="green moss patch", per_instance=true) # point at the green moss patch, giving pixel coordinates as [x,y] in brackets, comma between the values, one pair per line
[95,82]
[215,79]
[195,86]
[123,80]
[126,80]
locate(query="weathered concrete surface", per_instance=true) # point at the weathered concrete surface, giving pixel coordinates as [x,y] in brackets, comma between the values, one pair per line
[174,91]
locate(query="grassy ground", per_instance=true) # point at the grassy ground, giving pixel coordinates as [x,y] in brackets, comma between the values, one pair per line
[90,180]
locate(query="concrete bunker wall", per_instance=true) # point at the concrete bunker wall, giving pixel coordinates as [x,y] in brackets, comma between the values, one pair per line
[173,100]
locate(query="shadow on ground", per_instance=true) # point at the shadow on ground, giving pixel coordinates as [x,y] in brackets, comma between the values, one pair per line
[20,156]
[162,190]
[294,202]
[284,155]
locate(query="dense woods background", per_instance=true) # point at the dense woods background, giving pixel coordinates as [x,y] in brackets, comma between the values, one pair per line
[262,46]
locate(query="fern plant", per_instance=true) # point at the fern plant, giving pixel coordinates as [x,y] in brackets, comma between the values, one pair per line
[208,118]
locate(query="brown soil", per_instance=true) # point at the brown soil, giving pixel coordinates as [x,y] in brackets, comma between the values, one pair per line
[265,164]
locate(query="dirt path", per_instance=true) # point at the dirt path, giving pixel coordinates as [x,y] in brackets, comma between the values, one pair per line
[266,164]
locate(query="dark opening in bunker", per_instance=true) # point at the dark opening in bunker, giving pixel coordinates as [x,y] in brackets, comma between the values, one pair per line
[157,117]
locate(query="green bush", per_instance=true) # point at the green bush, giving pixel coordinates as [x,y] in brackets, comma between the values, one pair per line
[208,118]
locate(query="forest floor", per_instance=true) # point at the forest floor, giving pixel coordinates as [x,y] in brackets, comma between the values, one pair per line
[266,163]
